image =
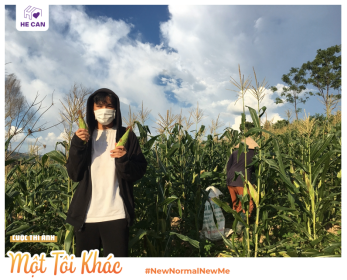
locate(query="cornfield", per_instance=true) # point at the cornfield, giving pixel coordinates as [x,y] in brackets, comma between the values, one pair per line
[296,190]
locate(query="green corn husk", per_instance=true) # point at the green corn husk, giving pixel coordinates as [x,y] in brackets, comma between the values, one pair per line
[124,138]
[81,122]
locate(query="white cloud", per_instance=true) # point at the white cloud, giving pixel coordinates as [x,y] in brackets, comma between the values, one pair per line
[221,103]
[34,140]
[18,134]
[272,117]
[208,42]
[252,102]
[280,88]
[51,137]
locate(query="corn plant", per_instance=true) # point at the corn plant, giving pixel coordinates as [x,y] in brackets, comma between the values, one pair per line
[297,195]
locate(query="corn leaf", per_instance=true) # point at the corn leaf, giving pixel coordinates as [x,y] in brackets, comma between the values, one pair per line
[186,238]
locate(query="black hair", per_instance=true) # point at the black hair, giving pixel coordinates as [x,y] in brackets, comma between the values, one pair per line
[100,98]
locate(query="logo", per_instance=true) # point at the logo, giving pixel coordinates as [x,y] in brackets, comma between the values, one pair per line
[29,12]
[32,17]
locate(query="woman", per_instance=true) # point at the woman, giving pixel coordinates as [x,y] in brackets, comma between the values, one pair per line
[236,187]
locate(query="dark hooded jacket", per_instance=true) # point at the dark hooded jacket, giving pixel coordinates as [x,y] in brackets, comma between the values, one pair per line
[129,168]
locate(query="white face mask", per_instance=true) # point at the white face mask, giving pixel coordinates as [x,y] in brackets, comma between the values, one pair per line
[105,116]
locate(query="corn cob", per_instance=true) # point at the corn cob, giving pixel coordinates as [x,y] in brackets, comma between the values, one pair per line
[124,138]
[81,122]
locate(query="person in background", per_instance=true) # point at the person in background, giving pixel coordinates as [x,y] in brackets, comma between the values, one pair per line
[102,207]
[236,187]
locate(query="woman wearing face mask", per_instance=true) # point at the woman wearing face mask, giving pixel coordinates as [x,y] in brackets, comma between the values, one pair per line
[102,208]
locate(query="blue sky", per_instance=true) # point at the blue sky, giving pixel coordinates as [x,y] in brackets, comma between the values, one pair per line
[168,56]
[145,18]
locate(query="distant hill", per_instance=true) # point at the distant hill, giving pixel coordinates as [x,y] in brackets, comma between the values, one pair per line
[16,155]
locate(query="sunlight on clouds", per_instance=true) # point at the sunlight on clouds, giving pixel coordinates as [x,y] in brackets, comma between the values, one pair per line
[201,48]
[221,103]
[51,137]
[252,102]
[272,117]
[19,134]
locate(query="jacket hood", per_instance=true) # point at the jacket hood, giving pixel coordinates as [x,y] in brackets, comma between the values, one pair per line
[90,117]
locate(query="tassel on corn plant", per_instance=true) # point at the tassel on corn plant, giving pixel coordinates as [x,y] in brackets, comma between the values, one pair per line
[124,138]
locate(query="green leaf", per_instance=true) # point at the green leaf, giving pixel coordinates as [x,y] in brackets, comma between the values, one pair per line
[254,117]
[253,193]
[194,176]
[57,156]
[320,164]
[152,252]
[74,185]
[186,238]
[298,163]
[62,169]
[172,150]
[286,218]
[150,142]
[201,130]
[19,229]
[243,120]
[282,208]
[211,174]
[167,201]
[315,242]
[12,172]
[320,149]
[227,242]
[227,209]
[27,209]
[7,143]
[263,109]
[44,159]
[61,214]
[140,233]
[291,200]
[50,244]
[255,130]
[68,238]
[241,150]
[52,203]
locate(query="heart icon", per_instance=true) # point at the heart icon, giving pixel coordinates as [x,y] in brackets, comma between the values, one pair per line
[36,15]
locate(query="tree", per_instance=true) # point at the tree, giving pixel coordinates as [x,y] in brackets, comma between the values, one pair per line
[280,124]
[16,105]
[296,84]
[21,117]
[325,74]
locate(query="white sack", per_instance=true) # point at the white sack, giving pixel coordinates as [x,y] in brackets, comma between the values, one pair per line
[209,229]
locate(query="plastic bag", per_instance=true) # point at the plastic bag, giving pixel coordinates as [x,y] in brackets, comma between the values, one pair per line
[209,229]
